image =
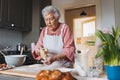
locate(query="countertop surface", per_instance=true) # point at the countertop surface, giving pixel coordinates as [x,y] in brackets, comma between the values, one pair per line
[13,77]
[29,72]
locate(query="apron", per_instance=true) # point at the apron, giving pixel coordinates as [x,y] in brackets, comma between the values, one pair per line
[54,44]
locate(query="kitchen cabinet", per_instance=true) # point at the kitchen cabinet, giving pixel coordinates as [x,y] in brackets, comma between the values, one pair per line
[43,3]
[16,14]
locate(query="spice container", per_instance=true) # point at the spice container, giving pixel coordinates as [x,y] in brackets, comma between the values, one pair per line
[93,72]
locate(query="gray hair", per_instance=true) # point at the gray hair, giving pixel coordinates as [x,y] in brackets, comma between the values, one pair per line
[49,9]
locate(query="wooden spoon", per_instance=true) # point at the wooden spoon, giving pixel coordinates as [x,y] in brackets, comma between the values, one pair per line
[21,52]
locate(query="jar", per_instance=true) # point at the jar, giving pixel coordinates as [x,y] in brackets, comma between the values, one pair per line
[20,45]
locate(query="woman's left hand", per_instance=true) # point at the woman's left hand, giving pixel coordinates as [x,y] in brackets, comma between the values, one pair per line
[49,60]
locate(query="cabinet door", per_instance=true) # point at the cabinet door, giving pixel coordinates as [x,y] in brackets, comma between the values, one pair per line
[3,12]
[16,13]
[27,15]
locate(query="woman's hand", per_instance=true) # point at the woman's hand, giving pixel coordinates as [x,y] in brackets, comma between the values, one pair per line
[50,60]
[37,51]
[42,52]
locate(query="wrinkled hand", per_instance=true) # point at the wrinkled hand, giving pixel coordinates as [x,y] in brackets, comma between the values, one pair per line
[42,52]
[49,60]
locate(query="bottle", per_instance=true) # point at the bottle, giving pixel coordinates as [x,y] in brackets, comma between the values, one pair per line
[18,46]
[95,72]
[90,72]
[32,46]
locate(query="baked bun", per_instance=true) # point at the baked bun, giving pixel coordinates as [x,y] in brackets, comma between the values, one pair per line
[68,76]
[54,75]
[43,75]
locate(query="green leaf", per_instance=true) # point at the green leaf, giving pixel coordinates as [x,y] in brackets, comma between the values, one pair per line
[110,48]
[117,32]
[100,35]
[100,53]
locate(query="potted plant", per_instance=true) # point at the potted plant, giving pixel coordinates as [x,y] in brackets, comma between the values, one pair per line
[110,51]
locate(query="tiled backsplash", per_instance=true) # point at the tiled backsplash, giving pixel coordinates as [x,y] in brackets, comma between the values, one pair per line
[9,38]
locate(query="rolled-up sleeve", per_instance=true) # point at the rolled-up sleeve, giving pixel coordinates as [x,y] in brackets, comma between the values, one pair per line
[69,46]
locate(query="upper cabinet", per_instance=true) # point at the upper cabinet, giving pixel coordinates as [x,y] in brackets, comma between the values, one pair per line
[16,14]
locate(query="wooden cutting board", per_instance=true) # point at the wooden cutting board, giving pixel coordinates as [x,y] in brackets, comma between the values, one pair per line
[18,73]
[26,71]
[32,70]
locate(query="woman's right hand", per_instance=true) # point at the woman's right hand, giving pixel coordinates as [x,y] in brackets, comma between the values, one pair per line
[37,51]
[42,52]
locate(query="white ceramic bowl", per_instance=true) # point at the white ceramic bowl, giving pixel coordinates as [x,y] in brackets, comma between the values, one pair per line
[15,60]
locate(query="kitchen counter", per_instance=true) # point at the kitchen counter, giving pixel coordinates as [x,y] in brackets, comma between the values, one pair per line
[13,77]
[29,73]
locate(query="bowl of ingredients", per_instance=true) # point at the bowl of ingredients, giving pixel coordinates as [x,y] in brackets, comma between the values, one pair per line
[15,60]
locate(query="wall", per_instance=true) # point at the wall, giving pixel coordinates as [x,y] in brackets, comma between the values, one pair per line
[70,4]
[71,14]
[9,38]
[117,12]
[108,13]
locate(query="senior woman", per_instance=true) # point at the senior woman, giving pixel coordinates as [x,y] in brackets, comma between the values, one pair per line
[55,41]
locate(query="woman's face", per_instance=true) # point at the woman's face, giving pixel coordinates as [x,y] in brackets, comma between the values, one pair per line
[51,21]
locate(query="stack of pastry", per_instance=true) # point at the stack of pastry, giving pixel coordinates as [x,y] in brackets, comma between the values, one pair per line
[54,75]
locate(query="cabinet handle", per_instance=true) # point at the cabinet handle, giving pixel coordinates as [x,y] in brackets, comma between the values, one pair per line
[12,25]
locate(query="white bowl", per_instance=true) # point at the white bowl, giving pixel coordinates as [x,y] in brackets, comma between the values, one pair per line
[15,60]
